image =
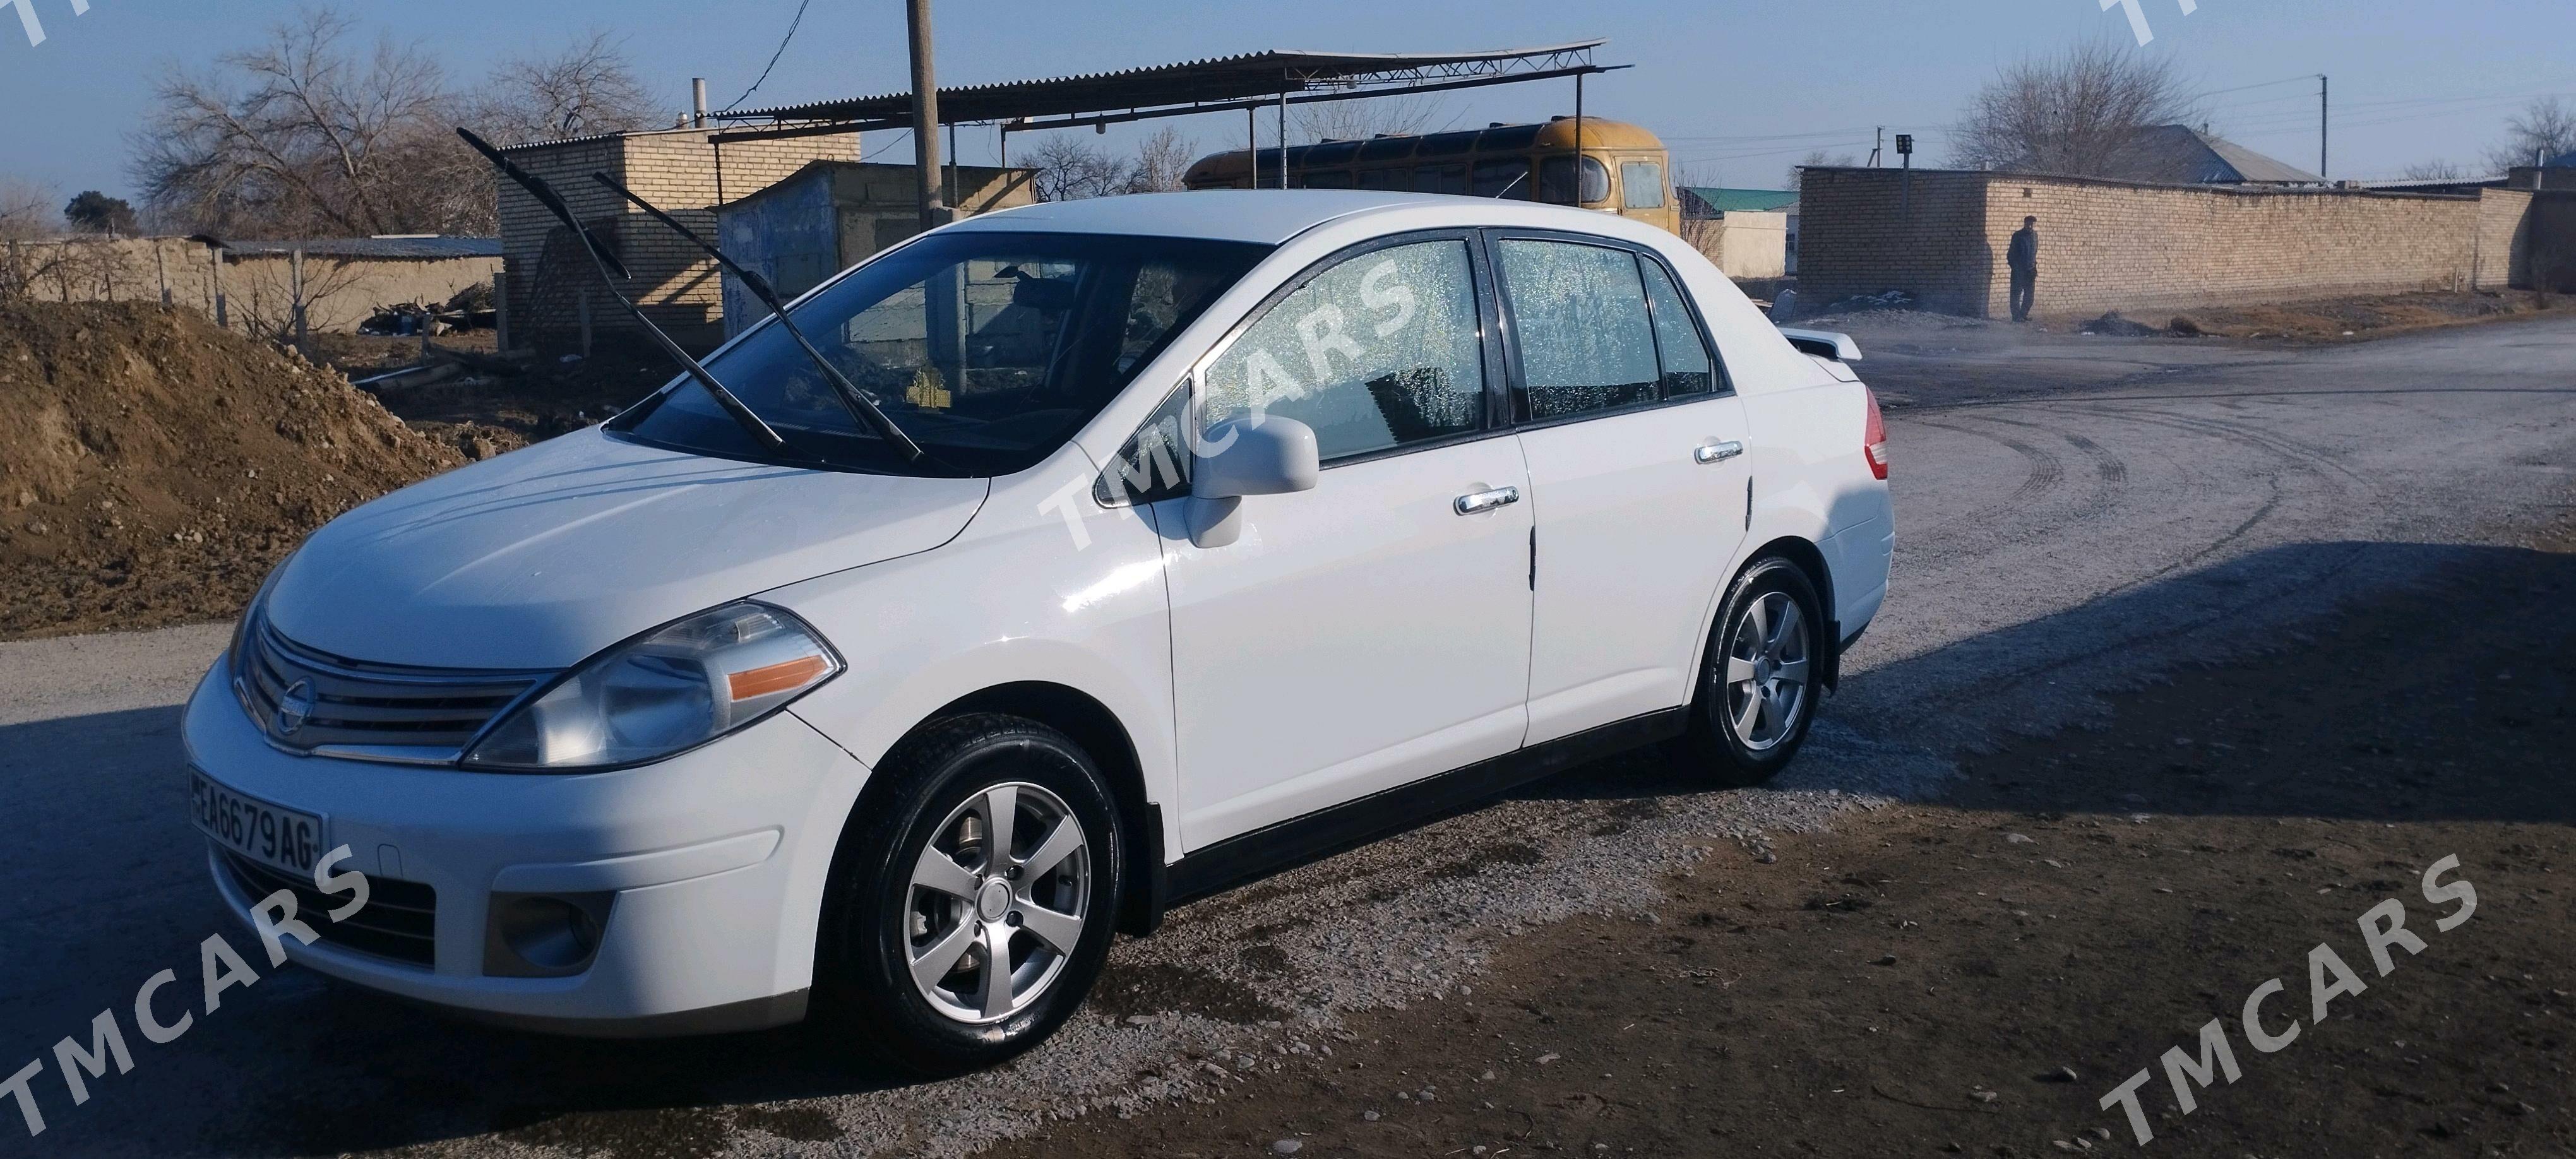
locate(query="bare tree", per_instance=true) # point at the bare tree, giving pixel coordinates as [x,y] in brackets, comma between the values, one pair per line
[306,135]
[26,210]
[2434,170]
[2545,128]
[1070,168]
[2079,112]
[1161,162]
[588,88]
[1355,120]
[1819,157]
[262,304]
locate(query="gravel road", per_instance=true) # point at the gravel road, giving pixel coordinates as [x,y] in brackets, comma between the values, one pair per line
[2076,515]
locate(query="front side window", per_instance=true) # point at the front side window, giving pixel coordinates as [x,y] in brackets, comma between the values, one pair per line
[989,349]
[1380,351]
[1579,317]
[1641,185]
[1504,177]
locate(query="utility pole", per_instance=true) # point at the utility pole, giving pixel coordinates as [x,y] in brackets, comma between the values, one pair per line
[1877,145]
[2321,124]
[925,117]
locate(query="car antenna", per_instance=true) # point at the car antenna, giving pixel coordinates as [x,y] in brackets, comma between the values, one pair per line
[608,264]
[861,407]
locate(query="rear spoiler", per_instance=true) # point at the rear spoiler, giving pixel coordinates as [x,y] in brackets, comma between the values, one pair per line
[1833,344]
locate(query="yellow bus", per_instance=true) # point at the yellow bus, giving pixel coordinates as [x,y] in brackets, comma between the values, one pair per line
[1624,170]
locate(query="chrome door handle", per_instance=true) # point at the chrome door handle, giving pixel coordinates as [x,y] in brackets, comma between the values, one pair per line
[1717,452]
[1487,500]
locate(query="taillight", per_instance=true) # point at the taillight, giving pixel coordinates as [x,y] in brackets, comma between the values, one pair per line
[1873,437]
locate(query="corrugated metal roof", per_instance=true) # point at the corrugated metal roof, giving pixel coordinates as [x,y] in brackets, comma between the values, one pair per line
[2182,155]
[1217,78]
[374,247]
[1722,200]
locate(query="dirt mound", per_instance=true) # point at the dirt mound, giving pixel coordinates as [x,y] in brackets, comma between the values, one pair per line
[153,468]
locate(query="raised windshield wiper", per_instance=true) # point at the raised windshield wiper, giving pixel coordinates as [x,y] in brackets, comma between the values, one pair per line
[861,407]
[613,271]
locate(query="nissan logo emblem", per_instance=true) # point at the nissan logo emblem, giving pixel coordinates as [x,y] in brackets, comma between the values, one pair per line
[293,706]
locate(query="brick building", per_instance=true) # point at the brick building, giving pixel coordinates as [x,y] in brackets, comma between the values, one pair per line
[2112,245]
[551,284]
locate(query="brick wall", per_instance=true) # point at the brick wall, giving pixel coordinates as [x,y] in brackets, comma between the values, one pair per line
[678,170]
[2503,237]
[2543,231]
[258,288]
[2107,245]
[1861,231]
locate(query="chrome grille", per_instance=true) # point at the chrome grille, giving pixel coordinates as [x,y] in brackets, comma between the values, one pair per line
[350,708]
[399,921]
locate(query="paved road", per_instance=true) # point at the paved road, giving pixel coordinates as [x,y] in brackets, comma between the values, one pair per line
[2077,514]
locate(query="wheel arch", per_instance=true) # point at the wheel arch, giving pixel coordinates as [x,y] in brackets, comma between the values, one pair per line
[1809,559]
[1098,730]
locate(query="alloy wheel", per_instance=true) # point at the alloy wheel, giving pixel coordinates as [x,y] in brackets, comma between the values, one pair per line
[1765,675]
[996,903]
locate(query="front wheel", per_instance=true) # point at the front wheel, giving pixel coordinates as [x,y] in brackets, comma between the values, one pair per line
[1758,686]
[972,904]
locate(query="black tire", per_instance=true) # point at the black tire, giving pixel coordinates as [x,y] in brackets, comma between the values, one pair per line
[1714,740]
[863,982]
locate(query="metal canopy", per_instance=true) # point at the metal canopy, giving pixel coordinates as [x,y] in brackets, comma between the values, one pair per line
[1248,80]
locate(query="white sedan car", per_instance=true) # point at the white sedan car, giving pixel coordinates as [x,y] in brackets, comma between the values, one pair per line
[1229,527]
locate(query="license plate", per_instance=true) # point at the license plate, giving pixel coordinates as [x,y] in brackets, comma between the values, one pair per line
[266,833]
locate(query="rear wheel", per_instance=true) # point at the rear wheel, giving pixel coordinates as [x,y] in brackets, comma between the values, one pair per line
[1758,684]
[972,903]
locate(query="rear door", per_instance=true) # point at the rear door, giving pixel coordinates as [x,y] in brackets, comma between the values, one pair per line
[1637,475]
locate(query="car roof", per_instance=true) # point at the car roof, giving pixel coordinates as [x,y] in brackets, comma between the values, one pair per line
[1268,216]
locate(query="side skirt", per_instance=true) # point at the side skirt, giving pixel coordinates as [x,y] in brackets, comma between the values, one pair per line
[1317,835]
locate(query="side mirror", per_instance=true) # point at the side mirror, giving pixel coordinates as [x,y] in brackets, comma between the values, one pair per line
[1237,458]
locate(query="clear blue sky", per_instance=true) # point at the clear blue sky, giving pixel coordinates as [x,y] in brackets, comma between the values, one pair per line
[1738,90]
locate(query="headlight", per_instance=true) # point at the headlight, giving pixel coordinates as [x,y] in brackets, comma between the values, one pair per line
[673,688]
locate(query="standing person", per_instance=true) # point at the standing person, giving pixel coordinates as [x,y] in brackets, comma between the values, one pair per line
[2023,257]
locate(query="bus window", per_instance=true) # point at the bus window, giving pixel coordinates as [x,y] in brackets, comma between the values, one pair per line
[1502,177]
[1556,180]
[1382,179]
[1328,179]
[1387,148]
[1641,185]
[1440,179]
[1449,144]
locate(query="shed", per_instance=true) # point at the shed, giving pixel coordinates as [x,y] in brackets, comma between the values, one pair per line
[1749,233]
[831,215]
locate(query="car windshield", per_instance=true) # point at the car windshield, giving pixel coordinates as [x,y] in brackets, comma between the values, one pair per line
[989,349]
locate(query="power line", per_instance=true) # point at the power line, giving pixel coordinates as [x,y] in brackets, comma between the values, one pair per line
[773,57]
[2255,85]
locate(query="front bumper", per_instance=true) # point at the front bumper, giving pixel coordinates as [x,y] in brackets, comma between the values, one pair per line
[717,860]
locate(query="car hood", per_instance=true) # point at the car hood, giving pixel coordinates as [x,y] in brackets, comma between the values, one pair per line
[541,557]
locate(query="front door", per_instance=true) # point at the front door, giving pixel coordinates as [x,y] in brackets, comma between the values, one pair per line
[1375,630]
[1637,473]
